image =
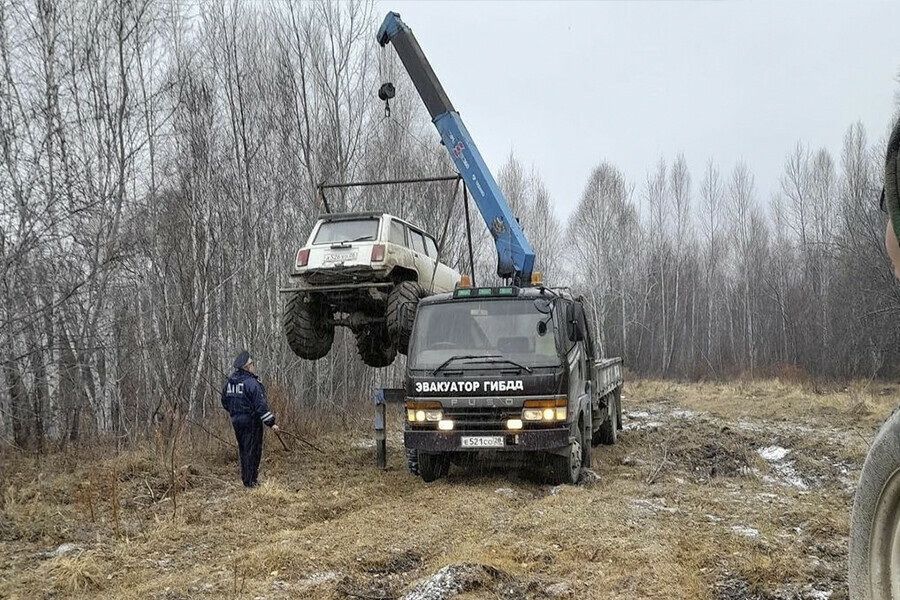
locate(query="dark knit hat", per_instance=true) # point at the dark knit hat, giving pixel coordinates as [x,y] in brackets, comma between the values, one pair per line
[242,359]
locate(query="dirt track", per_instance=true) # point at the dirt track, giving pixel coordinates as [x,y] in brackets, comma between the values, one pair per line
[725,492]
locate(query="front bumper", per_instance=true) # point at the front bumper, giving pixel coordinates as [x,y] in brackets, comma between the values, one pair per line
[525,440]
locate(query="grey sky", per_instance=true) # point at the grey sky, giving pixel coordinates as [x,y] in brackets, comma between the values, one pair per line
[566,85]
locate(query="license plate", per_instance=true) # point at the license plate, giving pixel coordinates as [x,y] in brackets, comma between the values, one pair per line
[482,441]
[336,257]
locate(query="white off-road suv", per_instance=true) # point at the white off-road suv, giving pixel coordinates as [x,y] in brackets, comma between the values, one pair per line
[365,271]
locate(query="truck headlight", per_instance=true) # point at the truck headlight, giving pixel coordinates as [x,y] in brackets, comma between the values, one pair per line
[421,416]
[422,412]
[532,414]
[545,410]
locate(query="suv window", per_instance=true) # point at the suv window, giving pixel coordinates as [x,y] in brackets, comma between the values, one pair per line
[418,241]
[347,230]
[397,234]
[431,246]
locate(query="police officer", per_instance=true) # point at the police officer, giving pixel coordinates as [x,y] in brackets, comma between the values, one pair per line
[244,397]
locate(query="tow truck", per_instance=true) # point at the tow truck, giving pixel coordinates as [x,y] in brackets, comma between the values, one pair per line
[508,370]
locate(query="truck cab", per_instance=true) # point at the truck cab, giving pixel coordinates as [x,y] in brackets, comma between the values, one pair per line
[505,370]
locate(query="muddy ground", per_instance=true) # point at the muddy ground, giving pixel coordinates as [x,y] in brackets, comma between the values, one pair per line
[714,491]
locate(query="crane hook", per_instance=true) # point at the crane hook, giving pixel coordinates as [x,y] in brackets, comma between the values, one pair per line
[386,92]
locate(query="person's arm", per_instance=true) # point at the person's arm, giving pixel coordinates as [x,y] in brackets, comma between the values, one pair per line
[258,398]
[222,398]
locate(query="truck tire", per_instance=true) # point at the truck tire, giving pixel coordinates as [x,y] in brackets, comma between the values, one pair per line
[306,326]
[875,523]
[402,303]
[433,466]
[567,469]
[608,432]
[375,346]
[619,408]
[412,461]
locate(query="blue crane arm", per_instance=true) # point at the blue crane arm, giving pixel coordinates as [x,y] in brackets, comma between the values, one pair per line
[515,256]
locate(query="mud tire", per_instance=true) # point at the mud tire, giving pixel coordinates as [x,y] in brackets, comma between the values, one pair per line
[306,326]
[412,461]
[375,346]
[566,470]
[608,432]
[433,466]
[399,320]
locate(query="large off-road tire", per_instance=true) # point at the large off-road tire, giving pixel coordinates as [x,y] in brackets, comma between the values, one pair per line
[375,346]
[608,432]
[567,469]
[307,327]
[412,461]
[402,303]
[433,466]
[874,558]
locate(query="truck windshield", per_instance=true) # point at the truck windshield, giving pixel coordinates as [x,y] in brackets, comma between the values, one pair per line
[491,329]
[347,230]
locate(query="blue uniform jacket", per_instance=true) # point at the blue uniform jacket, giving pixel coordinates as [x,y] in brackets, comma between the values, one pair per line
[245,395]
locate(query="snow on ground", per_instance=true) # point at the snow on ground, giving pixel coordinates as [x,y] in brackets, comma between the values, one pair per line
[773,453]
[775,456]
[749,532]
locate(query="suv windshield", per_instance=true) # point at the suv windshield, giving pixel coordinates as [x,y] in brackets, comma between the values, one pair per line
[491,329]
[348,230]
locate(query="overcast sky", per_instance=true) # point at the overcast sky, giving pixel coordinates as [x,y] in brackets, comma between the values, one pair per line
[567,85]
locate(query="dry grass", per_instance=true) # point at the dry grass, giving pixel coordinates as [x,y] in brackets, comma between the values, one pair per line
[673,515]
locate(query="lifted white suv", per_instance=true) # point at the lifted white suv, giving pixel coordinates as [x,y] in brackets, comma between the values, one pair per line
[365,271]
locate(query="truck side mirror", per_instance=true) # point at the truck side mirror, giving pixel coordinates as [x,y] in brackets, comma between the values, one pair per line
[575,322]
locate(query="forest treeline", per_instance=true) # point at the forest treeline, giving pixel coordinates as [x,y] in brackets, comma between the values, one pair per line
[159,164]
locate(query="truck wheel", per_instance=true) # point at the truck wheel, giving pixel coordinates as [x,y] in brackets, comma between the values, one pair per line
[306,326]
[618,393]
[433,466]
[567,469]
[875,525]
[412,461]
[609,429]
[402,303]
[375,346]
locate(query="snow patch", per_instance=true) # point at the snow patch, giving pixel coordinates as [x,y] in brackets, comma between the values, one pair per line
[651,506]
[815,594]
[638,415]
[773,453]
[449,581]
[683,414]
[775,456]
[749,532]
[647,425]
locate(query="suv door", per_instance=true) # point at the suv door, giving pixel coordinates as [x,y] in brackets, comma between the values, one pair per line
[398,247]
[424,264]
[445,278]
